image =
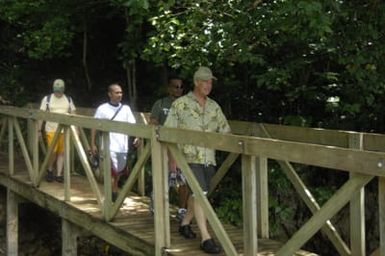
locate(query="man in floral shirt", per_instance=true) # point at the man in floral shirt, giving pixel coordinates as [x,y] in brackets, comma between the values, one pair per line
[197,111]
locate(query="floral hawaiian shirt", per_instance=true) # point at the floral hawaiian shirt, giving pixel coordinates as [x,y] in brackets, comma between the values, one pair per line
[186,113]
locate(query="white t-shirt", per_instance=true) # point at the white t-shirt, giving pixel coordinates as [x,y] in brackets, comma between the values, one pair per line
[118,141]
[62,105]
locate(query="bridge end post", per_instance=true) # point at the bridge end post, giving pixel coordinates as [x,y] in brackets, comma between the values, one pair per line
[70,233]
[12,222]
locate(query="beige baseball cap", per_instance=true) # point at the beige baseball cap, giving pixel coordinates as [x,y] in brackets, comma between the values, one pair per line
[203,73]
[58,86]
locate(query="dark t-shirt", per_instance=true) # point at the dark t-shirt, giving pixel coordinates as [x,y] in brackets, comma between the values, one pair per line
[160,109]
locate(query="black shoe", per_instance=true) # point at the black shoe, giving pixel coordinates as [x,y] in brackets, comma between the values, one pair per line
[49,177]
[59,179]
[209,246]
[186,232]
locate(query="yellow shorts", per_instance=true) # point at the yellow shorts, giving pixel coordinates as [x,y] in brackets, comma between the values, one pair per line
[59,147]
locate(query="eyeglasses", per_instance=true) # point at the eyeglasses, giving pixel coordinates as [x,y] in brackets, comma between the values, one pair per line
[180,87]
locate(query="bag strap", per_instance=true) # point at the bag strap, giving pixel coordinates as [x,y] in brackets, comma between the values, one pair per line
[47,103]
[69,102]
[117,111]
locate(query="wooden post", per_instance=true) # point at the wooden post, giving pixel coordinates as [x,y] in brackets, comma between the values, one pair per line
[3,128]
[159,184]
[11,153]
[381,213]
[70,233]
[12,223]
[67,164]
[141,176]
[262,197]
[35,150]
[30,130]
[249,188]
[106,168]
[357,207]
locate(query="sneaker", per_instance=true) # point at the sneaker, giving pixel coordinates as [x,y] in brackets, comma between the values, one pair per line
[49,177]
[187,232]
[59,179]
[181,213]
[209,246]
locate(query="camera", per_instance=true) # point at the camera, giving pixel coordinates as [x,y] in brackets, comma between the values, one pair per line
[93,159]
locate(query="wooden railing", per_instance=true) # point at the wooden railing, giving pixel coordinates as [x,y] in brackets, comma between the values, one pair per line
[360,154]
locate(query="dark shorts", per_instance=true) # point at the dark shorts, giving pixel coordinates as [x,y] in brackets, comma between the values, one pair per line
[203,174]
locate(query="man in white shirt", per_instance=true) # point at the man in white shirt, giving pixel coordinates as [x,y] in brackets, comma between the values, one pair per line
[115,110]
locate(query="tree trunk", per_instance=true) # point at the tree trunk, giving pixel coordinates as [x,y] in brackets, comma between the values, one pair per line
[84,59]
[131,73]
[131,84]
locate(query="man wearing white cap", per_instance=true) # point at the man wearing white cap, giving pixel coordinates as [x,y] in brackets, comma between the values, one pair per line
[56,102]
[197,111]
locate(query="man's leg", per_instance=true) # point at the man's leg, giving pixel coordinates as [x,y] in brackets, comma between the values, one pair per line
[183,193]
[183,196]
[50,176]
[118,163]
[51,161]
[190,212]
[60,164]
[114,186]
[59,148]
[115,182]
[204,174]
[201,221]
[185,228]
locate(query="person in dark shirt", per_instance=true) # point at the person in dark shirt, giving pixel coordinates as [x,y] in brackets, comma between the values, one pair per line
[159,113]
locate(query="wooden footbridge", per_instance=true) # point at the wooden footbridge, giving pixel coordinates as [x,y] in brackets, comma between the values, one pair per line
[85,205]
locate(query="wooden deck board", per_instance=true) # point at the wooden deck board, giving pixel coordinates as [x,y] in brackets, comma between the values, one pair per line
[134,218]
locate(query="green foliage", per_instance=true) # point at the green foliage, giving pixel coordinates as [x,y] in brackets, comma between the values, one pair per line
[323,193]
[41,29]
[11,89]
[134,6]
[229,208]
[50,41]
[297,54]
[275,59]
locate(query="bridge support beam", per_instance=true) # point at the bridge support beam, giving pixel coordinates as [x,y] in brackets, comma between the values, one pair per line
[13,201]
[159,184]
[70,234]
[249,195]
[262,197]
[357,207]
[381,203]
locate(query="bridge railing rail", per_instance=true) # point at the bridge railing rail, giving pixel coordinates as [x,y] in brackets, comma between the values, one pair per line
[360,154]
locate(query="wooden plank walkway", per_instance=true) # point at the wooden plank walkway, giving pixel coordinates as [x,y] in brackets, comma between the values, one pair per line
[132,230]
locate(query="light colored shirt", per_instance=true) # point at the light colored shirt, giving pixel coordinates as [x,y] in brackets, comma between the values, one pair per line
[62,105]
[118,141]
[187,113]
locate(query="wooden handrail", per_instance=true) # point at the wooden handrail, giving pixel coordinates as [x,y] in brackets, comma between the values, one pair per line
[310,146]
